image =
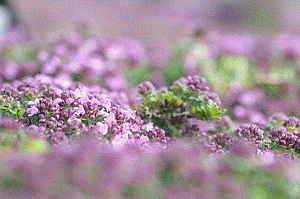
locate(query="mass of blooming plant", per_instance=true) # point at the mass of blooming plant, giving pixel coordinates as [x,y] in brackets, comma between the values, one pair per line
[97,117]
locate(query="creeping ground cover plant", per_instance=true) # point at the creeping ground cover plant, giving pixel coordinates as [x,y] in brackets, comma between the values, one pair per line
[93,117]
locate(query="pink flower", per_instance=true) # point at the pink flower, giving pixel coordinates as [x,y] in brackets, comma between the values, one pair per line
[70,100]
[128,114]
[95,103]
[111,119]
[81,94]
[103,128]
[79,110]
[239,111]
[11,70]
[134,127]
[51,66]
[148,127]
[103,113]
[115,51]
[267,158]
[57,101]
[74,122]
[119,141]
[32,111]
[105,101]
[251,97]
[143,139]
[97,65]
[126,129]
[116,82]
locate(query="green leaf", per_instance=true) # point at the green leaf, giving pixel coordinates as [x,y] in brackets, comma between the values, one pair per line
[20,113]
[208,111]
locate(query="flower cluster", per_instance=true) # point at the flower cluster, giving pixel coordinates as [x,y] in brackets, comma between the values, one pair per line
[68,111]
[63,136]
[251,132]
[281,136]
[170,108]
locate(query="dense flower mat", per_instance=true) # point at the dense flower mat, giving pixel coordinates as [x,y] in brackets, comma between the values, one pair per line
[94,117]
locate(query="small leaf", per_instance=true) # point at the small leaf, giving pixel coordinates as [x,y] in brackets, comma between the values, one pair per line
[20,113]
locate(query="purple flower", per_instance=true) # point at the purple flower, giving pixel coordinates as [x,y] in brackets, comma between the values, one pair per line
[11,70]
[256,117]
[57,137]
[195,83]
[97,65]
[95,103]
[74,122]
[103,128]
[115,51]
[239,112]
[51,66]
[128,113]
[111,119]
[214,97]
[81,94]
[291,121]
[148,127]
[126,129]
[57,101]
[32,111]
[288,44]
[116,83]
[70,101]
[251,97]
[79,110]
[143,139]
[135,127]
[237,44]
[145,87]
[105,101]
[119,140]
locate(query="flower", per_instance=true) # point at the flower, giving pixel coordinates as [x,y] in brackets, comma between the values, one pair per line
[144,87]
[119,140]
[195,83]
[148,127]
[143,139]
[32,111]
[74,122]
[95,103]
[111,119]
[103,128]
[79,110]
[105,101]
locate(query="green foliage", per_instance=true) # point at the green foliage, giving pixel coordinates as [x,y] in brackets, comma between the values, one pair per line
[259,182]
[207,111]
[170,109]
[169,176]
[20,53]
[173,72]
[138,75]
[10,139]
[271,90]
[34,145]
[76,77]
[10,181]
[226,70]
[175,68]
[13,109]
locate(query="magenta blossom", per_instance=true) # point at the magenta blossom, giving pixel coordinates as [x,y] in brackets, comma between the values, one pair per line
[32,111]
